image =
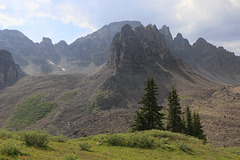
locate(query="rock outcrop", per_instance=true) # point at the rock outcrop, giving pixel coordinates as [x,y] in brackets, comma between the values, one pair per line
[9,71]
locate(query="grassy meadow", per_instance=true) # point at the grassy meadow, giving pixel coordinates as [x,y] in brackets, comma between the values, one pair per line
[153,144]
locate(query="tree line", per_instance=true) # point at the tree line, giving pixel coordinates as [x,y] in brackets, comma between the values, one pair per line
[150,115]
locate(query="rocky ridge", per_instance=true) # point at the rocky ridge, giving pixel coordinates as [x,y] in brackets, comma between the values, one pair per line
[213,62]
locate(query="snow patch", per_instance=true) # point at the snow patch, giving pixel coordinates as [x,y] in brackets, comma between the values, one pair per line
[50,62]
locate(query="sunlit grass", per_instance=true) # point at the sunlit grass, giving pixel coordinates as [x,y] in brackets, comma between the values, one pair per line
[168,146]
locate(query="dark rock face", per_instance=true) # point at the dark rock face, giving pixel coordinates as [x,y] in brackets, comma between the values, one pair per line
[215,63]
[131,50]
[94,48]
[9,71]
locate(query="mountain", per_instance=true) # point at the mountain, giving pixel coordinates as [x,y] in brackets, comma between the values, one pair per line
[82,56]
[9,71]
[106,100]
[88,54]
[94,47]
[213,62]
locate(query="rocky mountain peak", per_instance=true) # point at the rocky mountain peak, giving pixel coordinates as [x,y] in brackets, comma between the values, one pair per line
[202,43]
[180,43]
[62,43]
[201,40]
[166,32]
[132,50]
[46,40]
[179,36]
[126,30]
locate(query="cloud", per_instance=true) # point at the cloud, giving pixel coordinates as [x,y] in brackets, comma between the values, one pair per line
[45,1]
[7,21]
[2,7]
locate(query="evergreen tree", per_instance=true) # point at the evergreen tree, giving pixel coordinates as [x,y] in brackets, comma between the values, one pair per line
[174,112]
[189,126]
[197,127]
[184,125]
[149,116]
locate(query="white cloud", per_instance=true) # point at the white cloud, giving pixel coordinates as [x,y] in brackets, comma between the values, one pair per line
[72,13]
[45,1]
[235,3]
[2,6]
[32,6]
[7,21]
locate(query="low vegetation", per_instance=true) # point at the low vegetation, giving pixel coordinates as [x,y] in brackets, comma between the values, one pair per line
[35,138]
[151,144]
[29,111]
[69,95]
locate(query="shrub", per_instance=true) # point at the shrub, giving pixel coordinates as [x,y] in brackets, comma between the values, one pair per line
[114,140]
[138,140]
[36,138]
[59,138]
[6,134]
[141,140]
[184,146]
[70,157]
[85,146]
[10,148]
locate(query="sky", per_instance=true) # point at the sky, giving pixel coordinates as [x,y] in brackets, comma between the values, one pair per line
[217,21]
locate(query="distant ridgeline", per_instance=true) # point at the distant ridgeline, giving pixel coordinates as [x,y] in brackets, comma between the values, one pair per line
[86,54]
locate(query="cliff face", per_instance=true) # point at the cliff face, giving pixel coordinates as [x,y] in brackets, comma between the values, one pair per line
[132,51]
[9,71]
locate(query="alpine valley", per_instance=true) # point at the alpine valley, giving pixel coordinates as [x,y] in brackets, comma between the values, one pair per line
[93,85]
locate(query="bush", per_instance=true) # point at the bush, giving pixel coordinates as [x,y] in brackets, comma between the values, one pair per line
[114,140]
[184,146]
[141,140]
[36,138]
[6,134]
[138,140]
[10,148]
[59,138]
[70,157]
[85,146]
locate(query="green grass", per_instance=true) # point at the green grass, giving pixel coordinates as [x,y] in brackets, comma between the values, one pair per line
[184,97]
[167,145]
[29,111]
[69,95]
[98,99]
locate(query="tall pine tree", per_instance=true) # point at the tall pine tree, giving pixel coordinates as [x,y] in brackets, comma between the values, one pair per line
[174,112]
[189,125]
[197,127]
[149,116]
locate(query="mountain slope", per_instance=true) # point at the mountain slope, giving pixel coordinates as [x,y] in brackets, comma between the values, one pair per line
[205,58]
